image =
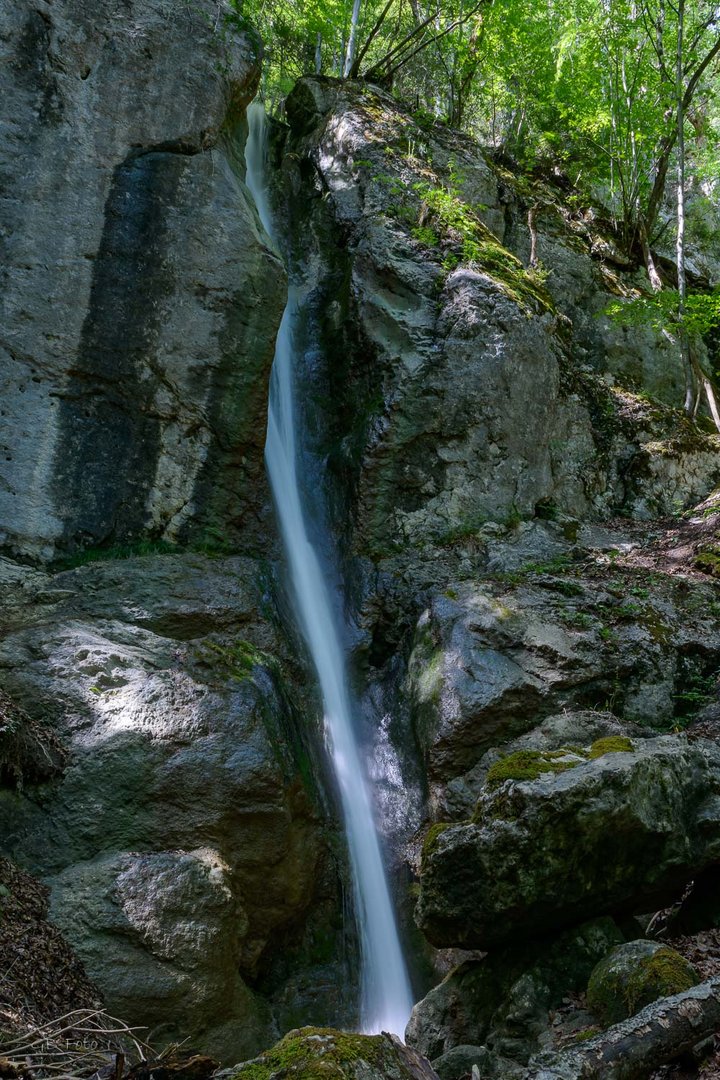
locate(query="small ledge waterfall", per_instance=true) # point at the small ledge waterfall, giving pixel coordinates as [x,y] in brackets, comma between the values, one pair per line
[386,997]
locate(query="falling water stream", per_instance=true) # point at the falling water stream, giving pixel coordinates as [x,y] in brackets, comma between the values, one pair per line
[386,997]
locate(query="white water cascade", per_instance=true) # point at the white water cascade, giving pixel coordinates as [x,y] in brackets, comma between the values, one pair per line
[386,997]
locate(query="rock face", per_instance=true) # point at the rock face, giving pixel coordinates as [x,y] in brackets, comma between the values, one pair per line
[137,321]
[491,659]
[440,339]
[622,830]
[184,836]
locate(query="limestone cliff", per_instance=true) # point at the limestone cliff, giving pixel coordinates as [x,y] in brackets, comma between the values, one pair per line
[139,296]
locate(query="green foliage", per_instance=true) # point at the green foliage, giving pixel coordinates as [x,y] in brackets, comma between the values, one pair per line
[424,235]
[661,311]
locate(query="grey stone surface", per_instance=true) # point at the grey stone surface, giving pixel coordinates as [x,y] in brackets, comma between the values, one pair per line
[459,396]
[459,1062]
[185,839]
[137,317]
[491,660]
[622,832]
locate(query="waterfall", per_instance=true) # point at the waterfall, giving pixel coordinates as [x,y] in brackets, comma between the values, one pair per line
[386,997]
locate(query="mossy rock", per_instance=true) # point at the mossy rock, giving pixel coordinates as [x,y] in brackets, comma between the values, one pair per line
[324,1054]
[432,835]
[708,560]
[530,764]
[634,975]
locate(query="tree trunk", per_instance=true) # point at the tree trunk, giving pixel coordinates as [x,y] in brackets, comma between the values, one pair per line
[631,1050]
[352,40]
[692,388]
[655,279]
[532,212]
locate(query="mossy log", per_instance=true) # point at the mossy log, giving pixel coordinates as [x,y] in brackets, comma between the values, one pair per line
[659,1034]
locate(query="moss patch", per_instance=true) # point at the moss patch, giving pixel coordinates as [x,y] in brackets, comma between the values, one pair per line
[315,1053]
[237,660]
[611,744]
[528,765]
[131,550]
[432,835]
[708,560]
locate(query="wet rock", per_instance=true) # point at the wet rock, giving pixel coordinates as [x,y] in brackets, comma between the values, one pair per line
[634,975]
[138,323]
[503,1000]
[634,826]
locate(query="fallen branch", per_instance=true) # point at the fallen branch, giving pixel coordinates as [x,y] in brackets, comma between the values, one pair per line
[659,1034]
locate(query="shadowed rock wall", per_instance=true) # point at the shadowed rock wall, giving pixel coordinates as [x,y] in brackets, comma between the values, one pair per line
[140,299]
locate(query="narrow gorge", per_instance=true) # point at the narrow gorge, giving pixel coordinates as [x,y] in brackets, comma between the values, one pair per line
[360,636]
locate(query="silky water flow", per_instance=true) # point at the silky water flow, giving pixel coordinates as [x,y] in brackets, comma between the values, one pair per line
[386,998]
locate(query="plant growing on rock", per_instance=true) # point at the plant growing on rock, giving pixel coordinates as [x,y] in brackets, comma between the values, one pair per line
[684,320]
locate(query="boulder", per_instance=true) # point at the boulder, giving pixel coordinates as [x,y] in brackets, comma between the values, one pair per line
[434,337]
[635,974]
[503,1000]
[572,728]
[619,832]
[491,660]
[311,1052]
[459,1061]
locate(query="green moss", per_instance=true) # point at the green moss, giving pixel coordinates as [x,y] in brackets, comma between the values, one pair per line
[665,973]
[611,744]
[314,1054]
[527,765]
[458,223]
[615,995]
[236,660]
[585,1034]
[431,836]
[708,560]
